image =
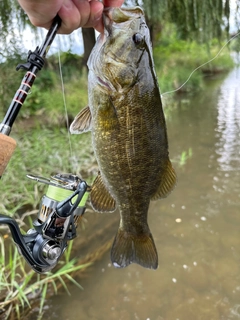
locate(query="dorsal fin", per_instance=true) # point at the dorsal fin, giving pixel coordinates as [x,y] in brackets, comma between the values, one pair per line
[100,198]
[82,121]
[168,182]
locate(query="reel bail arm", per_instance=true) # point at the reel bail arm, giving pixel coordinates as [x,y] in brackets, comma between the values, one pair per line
[56,223]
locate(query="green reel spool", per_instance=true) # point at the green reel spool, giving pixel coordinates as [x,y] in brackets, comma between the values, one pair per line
[60,187]
[59,194]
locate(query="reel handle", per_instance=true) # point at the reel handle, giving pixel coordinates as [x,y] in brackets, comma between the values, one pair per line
[7,147]
[19,240]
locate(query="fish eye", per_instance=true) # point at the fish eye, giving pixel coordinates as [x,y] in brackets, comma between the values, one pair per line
[138,38]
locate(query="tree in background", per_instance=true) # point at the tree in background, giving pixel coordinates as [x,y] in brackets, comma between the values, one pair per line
[12,19]
[194,19]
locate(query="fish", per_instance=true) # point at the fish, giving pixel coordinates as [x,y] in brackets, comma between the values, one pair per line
[129,135]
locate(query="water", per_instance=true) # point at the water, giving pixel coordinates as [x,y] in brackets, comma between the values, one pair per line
[196,229]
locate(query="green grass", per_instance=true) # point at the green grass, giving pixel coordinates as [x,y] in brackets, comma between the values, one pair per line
[176,59]
[21,286]
[41,151]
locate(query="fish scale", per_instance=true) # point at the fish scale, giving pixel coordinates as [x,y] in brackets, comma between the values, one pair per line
[129,133]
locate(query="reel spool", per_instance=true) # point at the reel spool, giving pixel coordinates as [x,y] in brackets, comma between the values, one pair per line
[56,223]
[60,187]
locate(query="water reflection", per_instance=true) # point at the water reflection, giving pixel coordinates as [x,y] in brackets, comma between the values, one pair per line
[196,229]
[228,147]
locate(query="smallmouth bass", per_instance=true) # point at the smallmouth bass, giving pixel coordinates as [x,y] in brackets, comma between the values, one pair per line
[129,134]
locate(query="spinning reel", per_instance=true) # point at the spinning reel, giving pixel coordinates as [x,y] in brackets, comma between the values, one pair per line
[56,223]
[64,202]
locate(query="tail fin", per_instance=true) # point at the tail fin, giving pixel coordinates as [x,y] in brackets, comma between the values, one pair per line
[130,248]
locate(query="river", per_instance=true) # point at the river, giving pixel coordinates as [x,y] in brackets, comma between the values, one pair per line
[196,229]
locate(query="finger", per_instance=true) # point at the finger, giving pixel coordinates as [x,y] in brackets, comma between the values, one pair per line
[96,9]
[112,3]
[107,3]
[70,17]
[91,12]
[99,26]
[83,8]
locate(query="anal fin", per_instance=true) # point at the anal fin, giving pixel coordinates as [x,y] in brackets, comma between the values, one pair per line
[100,198]
[82,121]
[168,182]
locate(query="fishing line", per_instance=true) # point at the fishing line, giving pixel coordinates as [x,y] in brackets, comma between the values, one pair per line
[64,102]
[236,35]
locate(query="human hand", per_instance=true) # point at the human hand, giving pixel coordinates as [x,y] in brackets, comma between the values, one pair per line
[73,13]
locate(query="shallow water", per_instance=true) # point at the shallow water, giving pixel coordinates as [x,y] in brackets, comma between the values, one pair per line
[196,229]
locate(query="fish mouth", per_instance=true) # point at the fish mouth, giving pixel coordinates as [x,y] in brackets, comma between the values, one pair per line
[118,15]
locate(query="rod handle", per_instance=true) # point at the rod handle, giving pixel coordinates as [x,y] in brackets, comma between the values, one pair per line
[7,147]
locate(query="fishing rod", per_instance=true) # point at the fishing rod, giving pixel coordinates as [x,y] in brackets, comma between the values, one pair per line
[34,64]
[64,202]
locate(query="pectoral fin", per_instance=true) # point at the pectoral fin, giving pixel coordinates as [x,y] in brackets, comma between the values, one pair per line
[82,121]
[168,181]
[100,198]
